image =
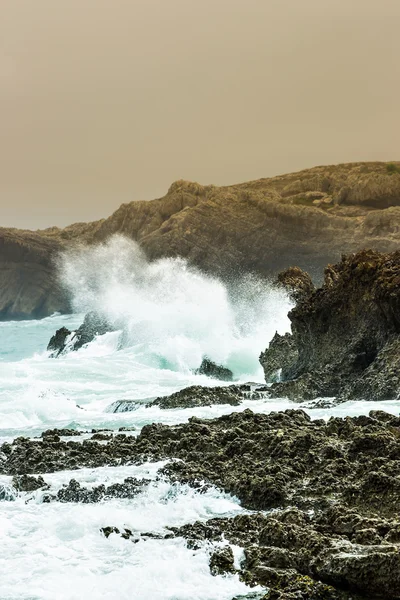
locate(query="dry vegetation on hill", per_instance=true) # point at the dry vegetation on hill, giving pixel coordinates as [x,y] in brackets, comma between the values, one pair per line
[307,219]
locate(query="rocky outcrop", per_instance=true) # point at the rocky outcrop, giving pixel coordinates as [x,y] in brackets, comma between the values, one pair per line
[29,287]
[211,369]
[345,339]
[197,395]
[334,486]
[65,340]
[306,219]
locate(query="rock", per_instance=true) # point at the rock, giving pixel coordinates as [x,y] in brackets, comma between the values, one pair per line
[197,395]
[345,339]
[65,340]
[74,492]
[260,226]
[297,283]
[29,286]
[222,561]
[58,342]
[28,483]
[334,533]
[61,432]
[211,369]
[278,359]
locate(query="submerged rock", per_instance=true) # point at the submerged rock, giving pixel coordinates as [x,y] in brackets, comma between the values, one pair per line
[345,339]
[211,369]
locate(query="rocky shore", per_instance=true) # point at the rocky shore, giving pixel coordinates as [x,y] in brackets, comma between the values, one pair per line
[325,494]
[345,339]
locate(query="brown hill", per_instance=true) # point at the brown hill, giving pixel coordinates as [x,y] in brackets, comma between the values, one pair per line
[307,219]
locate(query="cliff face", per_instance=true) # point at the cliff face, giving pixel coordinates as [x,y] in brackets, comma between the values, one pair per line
[307,219]
[28,281]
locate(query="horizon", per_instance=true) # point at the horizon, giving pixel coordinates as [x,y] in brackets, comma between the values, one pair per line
[105,104]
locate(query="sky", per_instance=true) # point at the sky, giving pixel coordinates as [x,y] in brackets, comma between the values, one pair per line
[108,101]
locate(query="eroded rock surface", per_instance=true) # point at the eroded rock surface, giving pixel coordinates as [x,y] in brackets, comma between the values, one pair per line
[345,339]
[65,340]
[333,487]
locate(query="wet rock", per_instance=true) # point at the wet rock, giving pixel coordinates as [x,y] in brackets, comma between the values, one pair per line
[58,342]
[278,359]
[64,340]
[61,432]
[28,483]
[74,492]
[296,282]
[345,339]
[222,561]
[211,369]
[197,395]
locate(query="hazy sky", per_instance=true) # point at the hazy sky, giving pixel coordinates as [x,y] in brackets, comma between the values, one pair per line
[106,101]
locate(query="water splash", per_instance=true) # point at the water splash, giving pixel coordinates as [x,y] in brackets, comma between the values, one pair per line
[171,313]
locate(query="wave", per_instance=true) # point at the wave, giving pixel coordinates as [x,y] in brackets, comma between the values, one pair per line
[171,313]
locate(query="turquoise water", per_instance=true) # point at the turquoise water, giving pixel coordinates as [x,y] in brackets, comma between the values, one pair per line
[171,316]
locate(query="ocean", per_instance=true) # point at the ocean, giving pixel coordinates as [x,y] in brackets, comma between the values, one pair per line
[170,316]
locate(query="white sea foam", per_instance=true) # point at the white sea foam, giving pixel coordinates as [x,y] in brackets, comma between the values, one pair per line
[172,316]
[57,550]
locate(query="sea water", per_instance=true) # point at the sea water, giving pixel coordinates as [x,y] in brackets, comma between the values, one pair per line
[171,316]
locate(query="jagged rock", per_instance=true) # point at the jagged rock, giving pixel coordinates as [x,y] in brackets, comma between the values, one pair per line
[297,283]
[61,432]
[345,338]
[64,340]
[74,492]
[58,342]
[197,395]
[222,561]
[278,359]
[211,369]
[267,461]
[28,483]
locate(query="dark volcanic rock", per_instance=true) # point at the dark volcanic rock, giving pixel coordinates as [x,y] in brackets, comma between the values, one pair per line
[222,561]
[66,340]
[74,492]
[278,359]
[211,369]
[334,533]
[28,483]
[292,553]
[197,395]
[267,461]
[345,338]
[297,283]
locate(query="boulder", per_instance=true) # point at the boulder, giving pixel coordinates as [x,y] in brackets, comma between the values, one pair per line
[211,369]
[65,340]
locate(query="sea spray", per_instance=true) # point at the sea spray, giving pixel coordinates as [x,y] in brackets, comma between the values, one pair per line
[171,313]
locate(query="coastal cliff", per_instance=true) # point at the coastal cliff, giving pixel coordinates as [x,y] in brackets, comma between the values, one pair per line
[29,287]
[306,219]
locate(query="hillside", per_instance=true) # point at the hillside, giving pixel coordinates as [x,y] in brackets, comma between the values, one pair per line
[307,219]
